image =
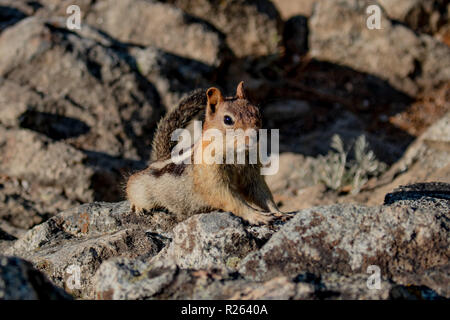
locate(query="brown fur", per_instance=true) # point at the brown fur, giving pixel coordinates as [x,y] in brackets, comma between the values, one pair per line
[185,189]
[187,109]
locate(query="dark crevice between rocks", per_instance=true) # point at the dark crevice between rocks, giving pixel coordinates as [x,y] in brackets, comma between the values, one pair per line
[412,292]
[159,240]
[44,289]
[54,126]
[321,292]
[10,16]
[6,236]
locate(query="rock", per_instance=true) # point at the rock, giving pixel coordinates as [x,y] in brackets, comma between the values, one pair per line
[130,279]
[420,15]
[206,241]
[322,253]
[427,159]
[83,238]
[39,177]
[30,156]
[252,28]
[406,237]
[160,25]
[437,278]
[89,115]
[9,14]
[118,105]
[294,186]
[20,281]
[5,240]
[15,100]
[289,8]
[418,191]
[338,34]
[126,279]
[173,76]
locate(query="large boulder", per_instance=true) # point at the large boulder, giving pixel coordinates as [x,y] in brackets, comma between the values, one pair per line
[83,238]
[408,236]
[173,76]
[39,177]
[70,128]
[146,23]
[73,74]
[410,62]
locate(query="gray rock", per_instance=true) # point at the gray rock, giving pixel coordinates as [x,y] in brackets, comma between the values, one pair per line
[121,255]
[407,237]
[126,279]
[40,177]
[118,105]
[338,34]
[83,238]
[252,28]
[437,278]
[161,25]
[20,281]
[173,76]
[206,241]
[421,15]
[31,156]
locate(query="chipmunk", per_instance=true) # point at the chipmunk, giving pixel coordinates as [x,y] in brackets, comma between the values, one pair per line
[186,189]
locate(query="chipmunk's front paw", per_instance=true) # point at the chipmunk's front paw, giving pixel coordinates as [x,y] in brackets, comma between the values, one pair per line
[137,209]
[257,218]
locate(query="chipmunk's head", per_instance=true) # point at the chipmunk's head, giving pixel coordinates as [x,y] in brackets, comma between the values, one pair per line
[233,114]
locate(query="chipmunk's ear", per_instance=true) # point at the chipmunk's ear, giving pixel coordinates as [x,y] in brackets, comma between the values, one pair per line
[214,97]
[240,93]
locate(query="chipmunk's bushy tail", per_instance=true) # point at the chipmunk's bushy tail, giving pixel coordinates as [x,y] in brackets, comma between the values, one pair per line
[188,108]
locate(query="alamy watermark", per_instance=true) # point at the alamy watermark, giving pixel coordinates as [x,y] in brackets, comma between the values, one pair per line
[73,282]
[236,146]
[374,19]
[374,280]
[73,22]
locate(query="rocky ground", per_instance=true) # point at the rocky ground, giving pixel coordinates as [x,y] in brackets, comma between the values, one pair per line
[78,109]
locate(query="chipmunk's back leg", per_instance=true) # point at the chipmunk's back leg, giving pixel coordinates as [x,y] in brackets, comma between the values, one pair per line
[139,192]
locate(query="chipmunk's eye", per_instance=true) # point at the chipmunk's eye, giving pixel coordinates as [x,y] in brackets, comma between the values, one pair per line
[228,121]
